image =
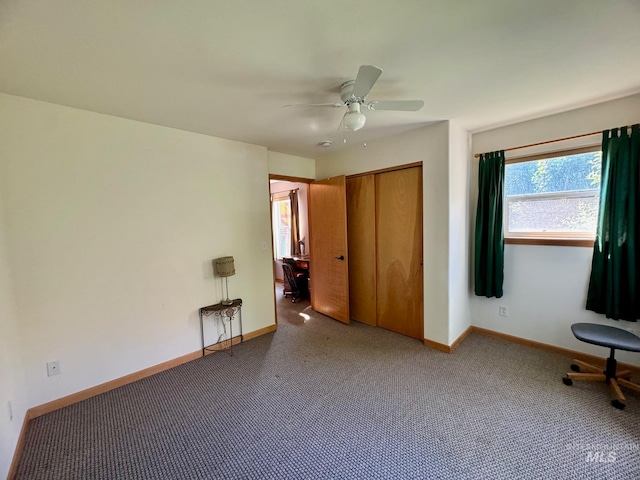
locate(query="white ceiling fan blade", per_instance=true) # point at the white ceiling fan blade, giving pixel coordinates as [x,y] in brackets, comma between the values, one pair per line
[314,105]
[401,105]
[366,79]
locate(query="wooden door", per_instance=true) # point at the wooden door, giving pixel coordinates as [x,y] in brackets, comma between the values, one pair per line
[399,251]
[361,231]
[328,269]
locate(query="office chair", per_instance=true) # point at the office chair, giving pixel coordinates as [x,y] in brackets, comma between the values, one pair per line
[294,285]
[293,263]
[613,338]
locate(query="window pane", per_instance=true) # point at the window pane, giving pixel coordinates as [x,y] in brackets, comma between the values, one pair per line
[282,228]
[554,195]
[560,174]
[555,214]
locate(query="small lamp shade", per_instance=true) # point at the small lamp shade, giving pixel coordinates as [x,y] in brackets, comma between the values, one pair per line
[225,266]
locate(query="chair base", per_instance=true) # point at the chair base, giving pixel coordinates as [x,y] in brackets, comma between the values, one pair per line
[610,375]
[294,295]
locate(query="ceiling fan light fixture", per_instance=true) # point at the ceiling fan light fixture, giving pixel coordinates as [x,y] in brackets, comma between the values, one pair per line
[353,119]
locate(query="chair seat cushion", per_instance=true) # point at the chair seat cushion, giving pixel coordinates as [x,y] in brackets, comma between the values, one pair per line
[606,336]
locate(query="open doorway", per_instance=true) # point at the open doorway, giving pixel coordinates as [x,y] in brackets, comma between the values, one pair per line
[290,239]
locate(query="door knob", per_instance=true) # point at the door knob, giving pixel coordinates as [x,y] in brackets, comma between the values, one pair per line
[341,257]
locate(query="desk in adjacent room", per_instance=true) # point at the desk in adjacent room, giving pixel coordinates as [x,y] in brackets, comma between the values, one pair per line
[302,263]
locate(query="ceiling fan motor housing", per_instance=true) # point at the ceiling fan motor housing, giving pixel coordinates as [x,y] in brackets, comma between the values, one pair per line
[346,93]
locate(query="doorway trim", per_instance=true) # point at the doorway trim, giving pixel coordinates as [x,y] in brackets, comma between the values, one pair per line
[286,178]
[283,178]
[385,170]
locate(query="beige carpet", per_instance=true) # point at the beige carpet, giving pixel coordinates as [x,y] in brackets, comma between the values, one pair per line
[321,400]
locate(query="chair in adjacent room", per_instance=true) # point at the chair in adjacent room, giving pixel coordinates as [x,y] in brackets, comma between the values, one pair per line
[295,285]
[290,261]
[614,339]
[297,270]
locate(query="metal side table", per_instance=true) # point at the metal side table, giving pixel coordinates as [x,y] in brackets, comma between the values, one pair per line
[226,314]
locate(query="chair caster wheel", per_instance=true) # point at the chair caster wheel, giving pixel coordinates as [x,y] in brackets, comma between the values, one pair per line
[618,404]
[567,381]
[575,367]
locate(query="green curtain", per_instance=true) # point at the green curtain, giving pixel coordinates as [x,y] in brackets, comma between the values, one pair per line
[614,289]
[489,244]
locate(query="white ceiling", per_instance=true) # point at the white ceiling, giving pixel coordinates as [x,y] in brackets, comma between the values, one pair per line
[227,67]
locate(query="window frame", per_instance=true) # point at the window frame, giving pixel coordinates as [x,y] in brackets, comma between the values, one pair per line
[547,238]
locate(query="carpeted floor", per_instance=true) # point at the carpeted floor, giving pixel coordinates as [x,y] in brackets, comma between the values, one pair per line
[322,400]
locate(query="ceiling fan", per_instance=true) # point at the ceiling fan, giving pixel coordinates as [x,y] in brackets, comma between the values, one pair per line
[353,94]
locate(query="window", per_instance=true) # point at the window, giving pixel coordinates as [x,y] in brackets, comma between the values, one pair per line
[553,197]
[281,211]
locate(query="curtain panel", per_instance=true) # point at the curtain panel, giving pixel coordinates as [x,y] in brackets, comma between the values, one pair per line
[295,223]
[489,238]
[614,289]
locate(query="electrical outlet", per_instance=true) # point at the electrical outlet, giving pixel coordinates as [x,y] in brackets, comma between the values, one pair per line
[53,368]
[10,409]
[503,311]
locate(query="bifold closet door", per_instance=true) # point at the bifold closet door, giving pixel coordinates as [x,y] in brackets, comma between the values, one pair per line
[361,230]
[399,282]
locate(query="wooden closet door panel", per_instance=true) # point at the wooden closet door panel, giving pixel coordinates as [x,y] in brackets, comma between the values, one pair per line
[399,251]
[361,231]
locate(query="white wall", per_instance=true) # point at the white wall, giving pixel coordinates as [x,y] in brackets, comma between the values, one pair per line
[429,145]
[459,151]
[545,286]
[12,387]
[303,208]
[291,165]
[111,228]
